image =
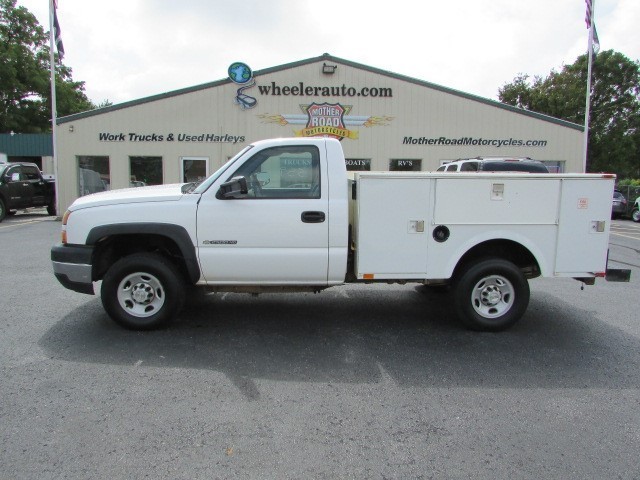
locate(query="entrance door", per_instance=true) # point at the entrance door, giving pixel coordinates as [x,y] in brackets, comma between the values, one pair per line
[277,234]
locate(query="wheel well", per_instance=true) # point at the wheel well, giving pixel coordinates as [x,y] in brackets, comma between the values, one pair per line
[109,250]
[503,249]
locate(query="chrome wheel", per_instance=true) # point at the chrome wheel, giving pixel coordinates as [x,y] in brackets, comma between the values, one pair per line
[141,294]
[492,296]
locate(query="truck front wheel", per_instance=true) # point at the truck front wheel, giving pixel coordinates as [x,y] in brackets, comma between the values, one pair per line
[491,295]
[142,291]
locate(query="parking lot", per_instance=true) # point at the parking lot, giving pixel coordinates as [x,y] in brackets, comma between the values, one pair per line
[355,382]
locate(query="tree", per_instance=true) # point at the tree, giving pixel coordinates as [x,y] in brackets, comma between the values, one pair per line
[614,124]
[25,90]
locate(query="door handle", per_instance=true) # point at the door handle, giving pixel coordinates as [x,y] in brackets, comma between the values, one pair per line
[312,217]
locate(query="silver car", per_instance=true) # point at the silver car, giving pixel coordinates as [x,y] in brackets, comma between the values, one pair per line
[619,206]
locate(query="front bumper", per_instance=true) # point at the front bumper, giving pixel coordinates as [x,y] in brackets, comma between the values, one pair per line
[72,267]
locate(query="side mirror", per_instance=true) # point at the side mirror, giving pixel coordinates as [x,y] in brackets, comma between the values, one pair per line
[234,188]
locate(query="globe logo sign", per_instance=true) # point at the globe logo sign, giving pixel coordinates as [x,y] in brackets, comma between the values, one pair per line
[240,73]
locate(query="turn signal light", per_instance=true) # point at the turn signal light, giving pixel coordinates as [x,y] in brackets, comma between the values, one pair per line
[65,219]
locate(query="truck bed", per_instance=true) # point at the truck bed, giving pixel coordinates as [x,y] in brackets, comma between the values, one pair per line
[417,225]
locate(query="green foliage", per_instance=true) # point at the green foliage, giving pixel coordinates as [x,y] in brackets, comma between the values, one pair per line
[629,182]
[614,126]
[25,90]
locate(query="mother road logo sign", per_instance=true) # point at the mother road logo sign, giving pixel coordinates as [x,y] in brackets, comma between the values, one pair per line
[326,119]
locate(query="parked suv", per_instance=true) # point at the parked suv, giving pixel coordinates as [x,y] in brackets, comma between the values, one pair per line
[619,206]
[23,186]
[495,164]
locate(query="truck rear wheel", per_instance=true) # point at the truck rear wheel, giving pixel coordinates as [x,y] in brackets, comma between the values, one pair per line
[142,291]
[3,210]
[491,295]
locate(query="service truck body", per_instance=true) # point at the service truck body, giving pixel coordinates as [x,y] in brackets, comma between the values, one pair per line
[282,215]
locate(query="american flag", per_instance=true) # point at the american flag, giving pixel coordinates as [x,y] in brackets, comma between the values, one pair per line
[587,18]
[56,31]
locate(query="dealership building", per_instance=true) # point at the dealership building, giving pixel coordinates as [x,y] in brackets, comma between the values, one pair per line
[385,121]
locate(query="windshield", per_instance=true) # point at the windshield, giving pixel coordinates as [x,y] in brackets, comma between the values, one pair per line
[207,183]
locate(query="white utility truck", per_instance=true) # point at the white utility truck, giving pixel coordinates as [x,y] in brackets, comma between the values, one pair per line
[283,216]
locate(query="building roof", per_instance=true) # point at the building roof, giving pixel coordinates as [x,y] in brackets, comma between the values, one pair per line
[327,58]
[26,144]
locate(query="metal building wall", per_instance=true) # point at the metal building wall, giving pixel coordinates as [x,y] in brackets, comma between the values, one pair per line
[376,127]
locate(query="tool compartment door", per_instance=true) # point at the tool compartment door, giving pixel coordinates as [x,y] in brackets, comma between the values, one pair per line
[585,219]
[391,235]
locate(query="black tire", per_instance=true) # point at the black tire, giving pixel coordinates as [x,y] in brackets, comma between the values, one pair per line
[635,215]
[51,209]
[142,291]
[491,295]
[3,210]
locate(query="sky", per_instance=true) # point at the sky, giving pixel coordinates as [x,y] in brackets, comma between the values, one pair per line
[126,50]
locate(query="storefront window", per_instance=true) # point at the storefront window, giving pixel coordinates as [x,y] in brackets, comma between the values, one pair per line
[93,174]
[358,164]
[194,169]
[408,165]
[145,171]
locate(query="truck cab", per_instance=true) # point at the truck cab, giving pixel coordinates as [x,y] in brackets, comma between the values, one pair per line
[278,215]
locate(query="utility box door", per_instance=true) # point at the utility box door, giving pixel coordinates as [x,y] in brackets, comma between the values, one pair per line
[392,229]
[585,219]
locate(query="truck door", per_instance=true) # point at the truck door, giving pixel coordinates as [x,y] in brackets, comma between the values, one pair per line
[37,185]
[17,189]
[277,232]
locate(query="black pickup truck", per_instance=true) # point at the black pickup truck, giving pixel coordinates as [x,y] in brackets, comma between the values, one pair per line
[23,186]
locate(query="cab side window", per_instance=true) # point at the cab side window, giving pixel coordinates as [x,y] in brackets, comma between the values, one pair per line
[469,167]
[30,173]
[14,175]
[283,172]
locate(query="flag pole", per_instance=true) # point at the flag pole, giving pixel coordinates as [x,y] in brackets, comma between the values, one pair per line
[587,110]
[54,126]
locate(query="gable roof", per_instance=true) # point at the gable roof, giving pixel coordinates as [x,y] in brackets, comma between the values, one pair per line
[325,57]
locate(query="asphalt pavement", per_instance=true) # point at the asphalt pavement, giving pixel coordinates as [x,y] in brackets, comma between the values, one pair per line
[355,382]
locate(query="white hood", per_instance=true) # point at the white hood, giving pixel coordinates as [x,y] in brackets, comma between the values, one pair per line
[156,193]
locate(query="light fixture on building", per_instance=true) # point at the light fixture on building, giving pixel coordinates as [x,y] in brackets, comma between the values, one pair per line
[329,69]
[71,128]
